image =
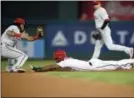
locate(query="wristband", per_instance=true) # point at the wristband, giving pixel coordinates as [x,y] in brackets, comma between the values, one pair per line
[35,37]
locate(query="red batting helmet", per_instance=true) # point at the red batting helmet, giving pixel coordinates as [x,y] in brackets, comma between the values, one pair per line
[19,21]
[96,2]
[59,55]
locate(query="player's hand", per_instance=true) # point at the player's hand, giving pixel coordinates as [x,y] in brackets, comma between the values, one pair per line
[40,31]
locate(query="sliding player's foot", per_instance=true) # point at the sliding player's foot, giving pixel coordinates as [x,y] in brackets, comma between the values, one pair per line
[8,68]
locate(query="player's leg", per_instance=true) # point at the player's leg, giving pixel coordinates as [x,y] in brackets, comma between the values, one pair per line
[103,65]
[99,65]
[11,62]
[97,49]
[20,62]
[113,65]
[13,53]
[109,43]
[126,63]
[122,64]
[104,68]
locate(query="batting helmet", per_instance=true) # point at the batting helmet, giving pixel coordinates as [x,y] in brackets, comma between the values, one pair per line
[59,55]
[19,21]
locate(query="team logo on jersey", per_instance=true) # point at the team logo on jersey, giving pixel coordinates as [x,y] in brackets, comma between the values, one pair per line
[59,39]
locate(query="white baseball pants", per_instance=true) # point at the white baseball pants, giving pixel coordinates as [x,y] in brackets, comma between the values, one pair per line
[111,65]
[107,40]
[16,58]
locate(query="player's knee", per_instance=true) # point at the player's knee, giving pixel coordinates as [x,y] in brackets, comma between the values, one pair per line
[110,46]
[99,47]
[26,56]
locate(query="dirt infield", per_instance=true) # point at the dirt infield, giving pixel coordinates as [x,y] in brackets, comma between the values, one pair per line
[42,85]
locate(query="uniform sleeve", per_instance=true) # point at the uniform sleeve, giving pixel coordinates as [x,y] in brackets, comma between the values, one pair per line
[103,14]
[14,29]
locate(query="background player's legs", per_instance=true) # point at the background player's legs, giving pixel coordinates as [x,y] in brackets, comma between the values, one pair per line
[13,53]
[97,49]
[109,43]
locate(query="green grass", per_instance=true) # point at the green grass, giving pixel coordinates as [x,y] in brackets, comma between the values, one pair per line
[109,77]
[115,77]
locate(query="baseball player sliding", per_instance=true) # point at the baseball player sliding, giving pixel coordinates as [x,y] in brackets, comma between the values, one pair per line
[9,39]
[64,63]
[103,33]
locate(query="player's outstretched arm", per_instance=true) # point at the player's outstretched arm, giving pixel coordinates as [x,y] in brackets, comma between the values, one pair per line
[17,35]
[31,38]
[39,34]
[50,68]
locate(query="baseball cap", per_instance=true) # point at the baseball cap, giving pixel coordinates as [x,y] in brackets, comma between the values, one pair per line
[96,2]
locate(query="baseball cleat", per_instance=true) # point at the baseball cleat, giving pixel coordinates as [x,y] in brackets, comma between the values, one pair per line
[131,53]
[19,70]
[8,68]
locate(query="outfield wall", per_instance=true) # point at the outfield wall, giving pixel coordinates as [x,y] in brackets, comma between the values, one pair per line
[75,38]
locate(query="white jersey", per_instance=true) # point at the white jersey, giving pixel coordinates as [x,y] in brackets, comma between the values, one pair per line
[74,64]
[100,15]
[93,64]
[9,39]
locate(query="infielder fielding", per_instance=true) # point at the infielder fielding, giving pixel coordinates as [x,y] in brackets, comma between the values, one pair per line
[9,39]
[103,33]
[64,63]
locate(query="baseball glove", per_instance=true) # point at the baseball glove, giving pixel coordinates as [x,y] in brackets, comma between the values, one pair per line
[40,31]
[97,35]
